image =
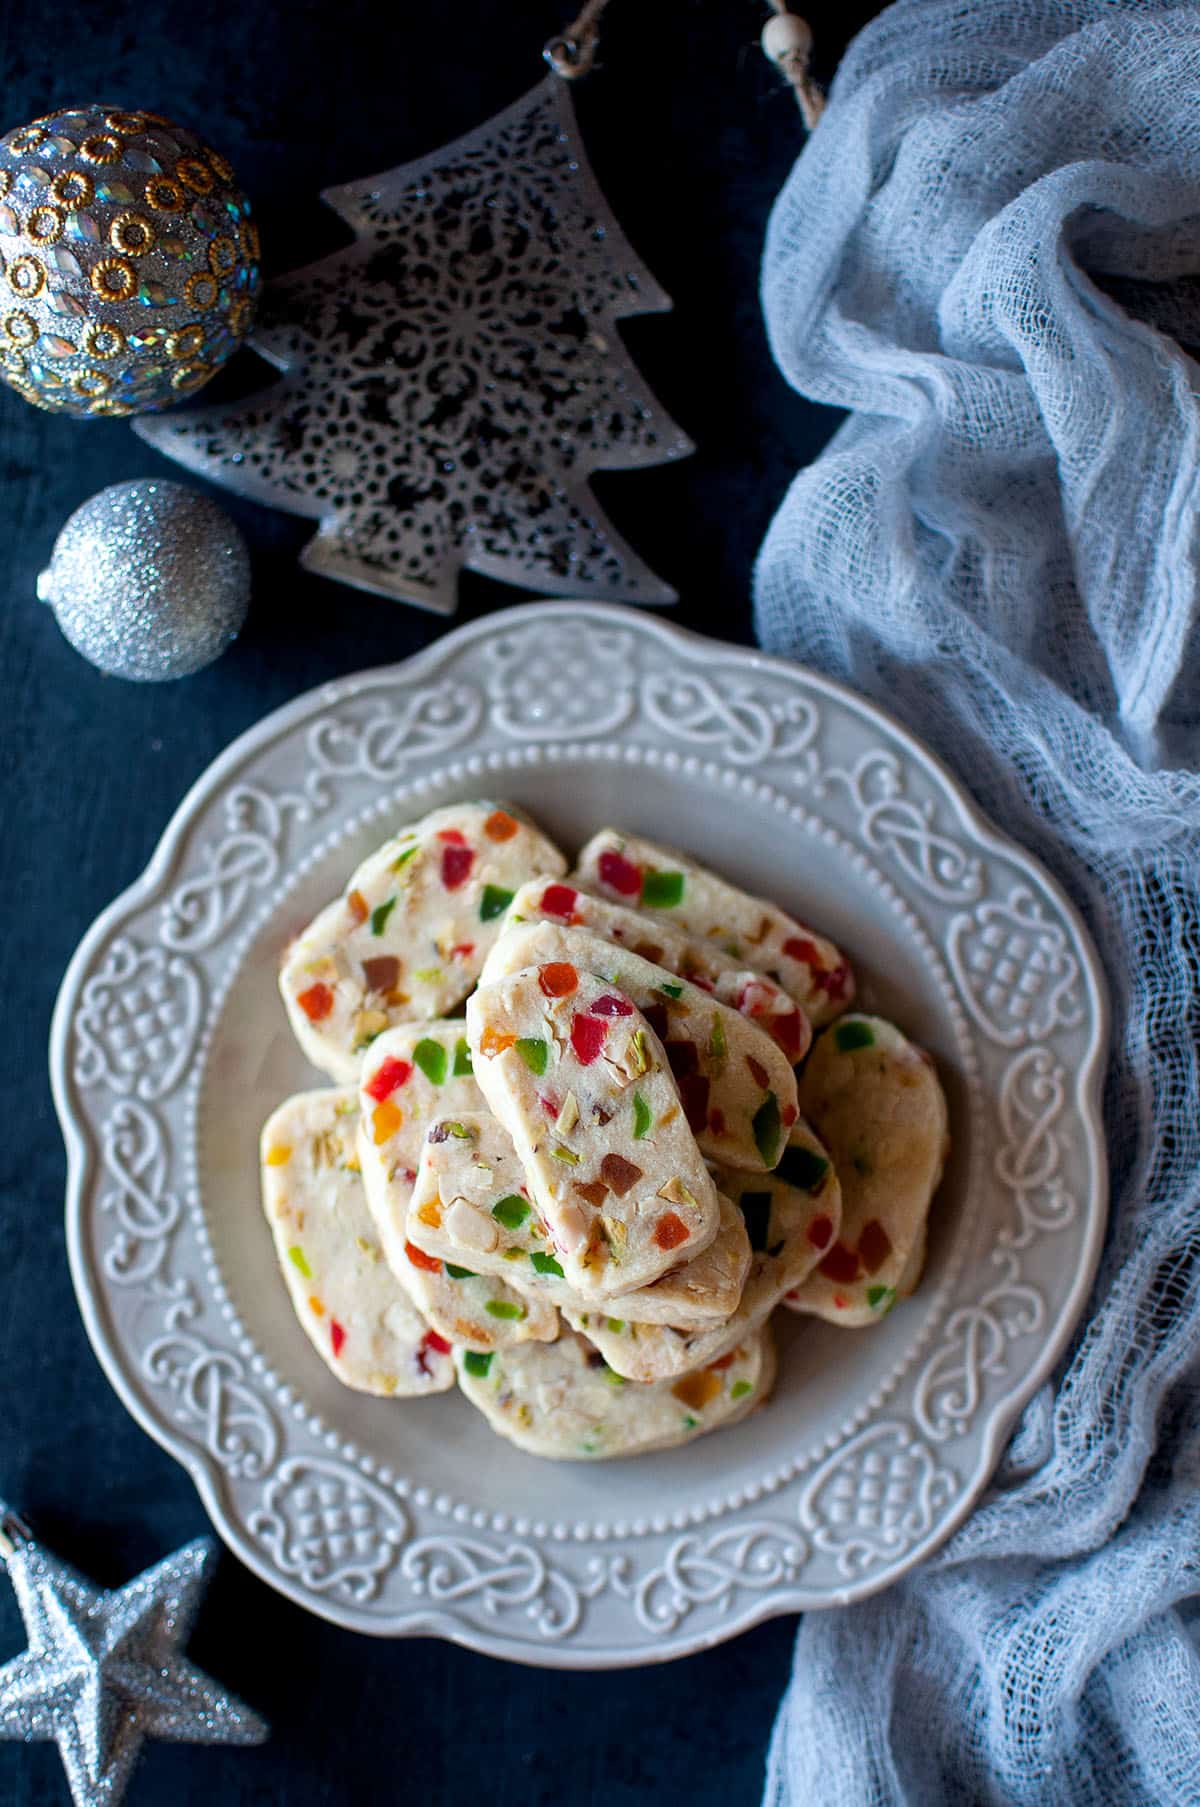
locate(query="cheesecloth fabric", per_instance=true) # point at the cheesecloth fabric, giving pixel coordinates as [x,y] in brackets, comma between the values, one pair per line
[989,253]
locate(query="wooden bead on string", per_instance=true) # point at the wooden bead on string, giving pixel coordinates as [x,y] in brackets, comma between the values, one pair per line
[787,42]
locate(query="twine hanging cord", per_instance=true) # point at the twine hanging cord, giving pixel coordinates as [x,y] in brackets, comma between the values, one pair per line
[573,52]
[786,41]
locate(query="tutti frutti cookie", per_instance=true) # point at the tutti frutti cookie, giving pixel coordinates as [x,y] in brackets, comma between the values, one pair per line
[737,1088]
[750,993]
[792,1216]
[874,1099]
[471,1207]
[464,1305]
[578,1078]
[563,1401]
[410,934]
[672,889]
[357,1316]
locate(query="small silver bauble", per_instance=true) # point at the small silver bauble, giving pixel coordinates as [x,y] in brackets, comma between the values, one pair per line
[128,261]
[148,580]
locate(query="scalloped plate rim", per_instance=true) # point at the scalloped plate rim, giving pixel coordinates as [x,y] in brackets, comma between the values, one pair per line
[203,1470]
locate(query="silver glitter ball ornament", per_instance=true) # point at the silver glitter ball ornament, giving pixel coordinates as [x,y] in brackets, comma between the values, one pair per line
[128,261]
[148,580]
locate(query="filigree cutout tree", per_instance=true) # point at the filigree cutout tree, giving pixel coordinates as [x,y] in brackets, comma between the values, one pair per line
[454,376]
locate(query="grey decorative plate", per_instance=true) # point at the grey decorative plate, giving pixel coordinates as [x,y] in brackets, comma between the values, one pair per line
[169,1048]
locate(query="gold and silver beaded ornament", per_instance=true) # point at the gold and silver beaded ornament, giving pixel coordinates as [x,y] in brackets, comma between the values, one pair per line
[452,378]
[128,261]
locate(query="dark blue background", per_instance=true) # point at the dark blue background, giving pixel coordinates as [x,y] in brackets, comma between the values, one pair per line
[691,134]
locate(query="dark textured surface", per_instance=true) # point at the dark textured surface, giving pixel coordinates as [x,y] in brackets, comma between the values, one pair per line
[690,135]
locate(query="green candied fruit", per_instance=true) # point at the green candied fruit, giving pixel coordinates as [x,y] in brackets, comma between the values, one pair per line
[494,902]
[803,1168]
[768,1126]
[432,1059]
[689,1423]
[560,1152]
[662,890]
[459,1273]
[534,1053]
[504,1308]
[717,1046]
[511,1211]
[854,1034]
[401,860]
[475,1362]
[739,1389]
[616,1325]
[545,1264]
[881,1298]
[298,1261]
[427,975]
[463,1069]
[672,991]
[380,914]
[612,1377]
[642,1117]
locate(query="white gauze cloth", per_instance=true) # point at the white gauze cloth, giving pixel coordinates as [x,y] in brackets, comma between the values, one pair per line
[989,252]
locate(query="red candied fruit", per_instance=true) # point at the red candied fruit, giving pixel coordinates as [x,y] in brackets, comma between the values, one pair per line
[559,900]
[611,1005]
[836,983]
[788,1032]
[619,874]
[840,1265]
[456,865]
[587,1037]
[391,1076]
[337,1336]
[874,1246]
[819,1231]
[693,1095]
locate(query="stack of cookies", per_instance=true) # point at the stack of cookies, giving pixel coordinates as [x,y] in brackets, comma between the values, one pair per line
[655,1121]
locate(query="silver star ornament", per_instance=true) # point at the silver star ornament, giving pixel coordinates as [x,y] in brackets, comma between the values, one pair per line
[104,1670]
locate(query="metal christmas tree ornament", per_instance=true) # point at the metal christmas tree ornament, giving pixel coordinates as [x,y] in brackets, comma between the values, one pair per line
[128,261]
[148,580]
[454,376]
[104,1670]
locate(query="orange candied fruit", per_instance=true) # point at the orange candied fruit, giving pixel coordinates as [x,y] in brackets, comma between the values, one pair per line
[419,1258]
[493,1042]
[386,1119]
[696,1390]
[316,1002]
[358,906]
[670,1231]
[500,826]
[558,979]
